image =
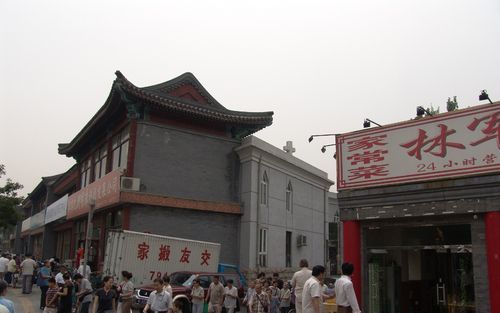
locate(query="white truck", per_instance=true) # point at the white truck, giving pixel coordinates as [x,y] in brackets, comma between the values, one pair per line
[149,256]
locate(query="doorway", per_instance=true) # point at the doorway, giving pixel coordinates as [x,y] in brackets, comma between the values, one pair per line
[421,270]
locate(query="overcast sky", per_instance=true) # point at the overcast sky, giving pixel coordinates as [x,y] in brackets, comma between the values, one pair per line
[321,66]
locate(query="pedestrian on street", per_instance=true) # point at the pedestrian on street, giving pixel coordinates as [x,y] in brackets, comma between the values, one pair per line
[230,297]
[4,260]
[285,296]
[312,291]
[261,278]
[28,267]
[66,295]
[298,280]
[344,291]
[4,301]
[105,298]
[276,277]
[167,286]
[59,277]
[11,270]
[159,301]
[126,290]
[84,294]
[43,282]
[260,301]
[250,293]
[198,295]
[51,300]
[215,296]
[87,269]
[275,295]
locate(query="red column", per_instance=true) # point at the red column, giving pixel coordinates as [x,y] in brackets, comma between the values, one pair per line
[492,221]
[352,253]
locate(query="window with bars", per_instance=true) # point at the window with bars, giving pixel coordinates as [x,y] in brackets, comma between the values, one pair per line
[263,247]
[85,173]
[264,190]
[289,197]
[100,162]
[120,149]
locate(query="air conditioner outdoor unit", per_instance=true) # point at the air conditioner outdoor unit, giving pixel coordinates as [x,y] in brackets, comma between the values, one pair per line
[301,240]
[130,184]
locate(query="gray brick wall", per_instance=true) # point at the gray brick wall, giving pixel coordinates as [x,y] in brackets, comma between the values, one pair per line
[190,224]
[186,164]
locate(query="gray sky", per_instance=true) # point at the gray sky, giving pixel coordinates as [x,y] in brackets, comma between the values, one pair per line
[321,66]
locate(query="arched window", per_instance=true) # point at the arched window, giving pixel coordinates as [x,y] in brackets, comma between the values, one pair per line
[289,197]
[264,189]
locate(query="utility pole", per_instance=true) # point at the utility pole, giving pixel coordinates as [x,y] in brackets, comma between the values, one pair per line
[88,237]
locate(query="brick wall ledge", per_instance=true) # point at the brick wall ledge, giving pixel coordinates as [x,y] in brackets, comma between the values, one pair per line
[157,200]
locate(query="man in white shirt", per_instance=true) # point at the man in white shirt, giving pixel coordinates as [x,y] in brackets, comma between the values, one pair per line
[159,300]
[59,277]
[344,291]
[230,296]
[312,292]
[80,270]
[27,268]
[3,265]
[298,281]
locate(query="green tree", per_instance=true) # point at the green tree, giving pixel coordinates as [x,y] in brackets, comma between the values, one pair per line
[8,201]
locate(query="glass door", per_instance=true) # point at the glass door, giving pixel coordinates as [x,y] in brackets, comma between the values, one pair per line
[426,269]
[454,280]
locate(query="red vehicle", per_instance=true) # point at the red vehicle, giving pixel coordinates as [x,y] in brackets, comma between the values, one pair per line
[181,283]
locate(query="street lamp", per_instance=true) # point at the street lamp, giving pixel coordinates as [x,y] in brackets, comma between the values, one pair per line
[323,149]
[321,135]
[484,96]
[367,122]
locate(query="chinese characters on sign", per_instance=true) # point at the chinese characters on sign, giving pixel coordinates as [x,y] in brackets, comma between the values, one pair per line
[462,143]
[164,254]
[369,156]
[104,191]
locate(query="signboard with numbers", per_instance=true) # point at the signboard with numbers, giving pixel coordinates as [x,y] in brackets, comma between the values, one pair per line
[150,256]
[455,144]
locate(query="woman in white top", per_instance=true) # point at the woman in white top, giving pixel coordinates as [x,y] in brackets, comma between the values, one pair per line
[198,296]
[126,289]
[166,285]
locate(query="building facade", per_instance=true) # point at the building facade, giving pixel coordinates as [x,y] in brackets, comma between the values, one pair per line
[419,202]
[285,207]
[169,159]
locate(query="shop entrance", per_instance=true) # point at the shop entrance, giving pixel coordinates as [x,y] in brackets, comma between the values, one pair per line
[420,269]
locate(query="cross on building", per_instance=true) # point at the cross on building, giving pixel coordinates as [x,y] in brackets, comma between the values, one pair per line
[289,147]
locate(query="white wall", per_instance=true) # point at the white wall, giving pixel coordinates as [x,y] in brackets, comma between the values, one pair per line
[306,218]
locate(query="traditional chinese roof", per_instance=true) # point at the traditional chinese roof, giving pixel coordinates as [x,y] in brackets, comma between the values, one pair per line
[182,96]
[41,188]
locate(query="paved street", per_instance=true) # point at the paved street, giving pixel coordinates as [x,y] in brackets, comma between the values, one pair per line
[25,303]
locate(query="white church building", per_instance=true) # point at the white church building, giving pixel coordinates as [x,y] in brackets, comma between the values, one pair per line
[286,209]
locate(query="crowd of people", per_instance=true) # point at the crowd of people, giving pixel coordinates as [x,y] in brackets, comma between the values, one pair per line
[272,295]
[65,291]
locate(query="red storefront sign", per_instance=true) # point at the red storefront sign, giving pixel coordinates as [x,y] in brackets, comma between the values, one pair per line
[460,143]
[105,191]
